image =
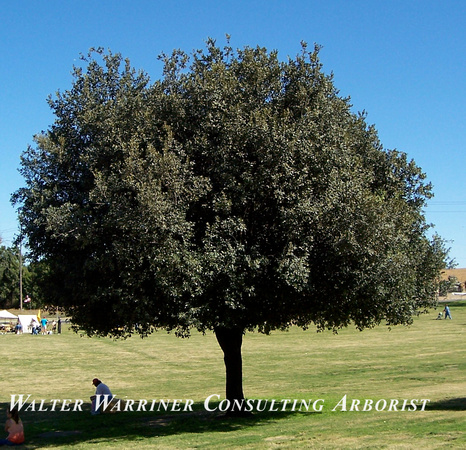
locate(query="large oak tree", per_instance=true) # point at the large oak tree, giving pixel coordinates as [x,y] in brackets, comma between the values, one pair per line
[238,192]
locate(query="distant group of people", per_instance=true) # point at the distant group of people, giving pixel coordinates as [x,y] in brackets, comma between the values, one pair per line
[34,327]
[42,327]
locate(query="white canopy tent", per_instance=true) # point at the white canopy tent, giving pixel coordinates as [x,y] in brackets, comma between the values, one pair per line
[4,314]
[27,320]
[6,318]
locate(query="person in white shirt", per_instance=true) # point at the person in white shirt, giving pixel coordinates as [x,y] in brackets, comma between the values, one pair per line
[105,394]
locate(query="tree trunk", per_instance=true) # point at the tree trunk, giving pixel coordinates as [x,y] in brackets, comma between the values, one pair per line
[230,340]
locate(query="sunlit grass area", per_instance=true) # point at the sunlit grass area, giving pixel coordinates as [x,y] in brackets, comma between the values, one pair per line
[382,367]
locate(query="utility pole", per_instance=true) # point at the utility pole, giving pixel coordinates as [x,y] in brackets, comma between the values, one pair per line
[20,278]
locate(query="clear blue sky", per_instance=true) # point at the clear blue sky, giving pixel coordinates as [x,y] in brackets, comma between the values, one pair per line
[403,61]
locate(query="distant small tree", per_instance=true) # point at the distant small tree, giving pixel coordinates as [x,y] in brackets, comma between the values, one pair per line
[35,278]
[237,193]
[444,288]
[452,284]
[9,277]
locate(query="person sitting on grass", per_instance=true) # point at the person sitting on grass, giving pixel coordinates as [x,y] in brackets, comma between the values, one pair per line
[14,428]
[101,389]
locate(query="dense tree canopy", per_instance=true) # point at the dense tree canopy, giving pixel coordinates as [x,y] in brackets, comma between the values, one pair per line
[237,192]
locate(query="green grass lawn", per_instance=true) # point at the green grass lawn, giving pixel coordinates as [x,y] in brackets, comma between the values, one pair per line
[424,361]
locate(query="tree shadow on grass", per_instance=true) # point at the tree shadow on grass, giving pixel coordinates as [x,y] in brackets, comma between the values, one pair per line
[58,429]
[448,404]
